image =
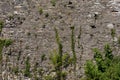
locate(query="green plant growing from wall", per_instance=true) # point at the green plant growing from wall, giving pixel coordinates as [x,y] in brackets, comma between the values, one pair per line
[40,11]
[108,52]
[35,71]
[2,44]
[1,25]
[43,57]
[27,68]
[106,66]
[64,74]
[113,33]
[91,71]
[67,60]
[53,2]
[19,54]
[48,77]
[60,52]
[60,60]
[118,41]
[11,17]
[15,70]
[73,47]
[1,48]
[57,57]
[6,43]
[40,72]
[79,37]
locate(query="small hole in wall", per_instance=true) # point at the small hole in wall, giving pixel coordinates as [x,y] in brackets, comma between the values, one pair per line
[92,26]
[70,3]
[91,35]
[117,25]
[44,26]
[114,10]
[60,17]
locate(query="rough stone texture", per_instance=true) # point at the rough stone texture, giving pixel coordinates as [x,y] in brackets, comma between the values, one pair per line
[33,33]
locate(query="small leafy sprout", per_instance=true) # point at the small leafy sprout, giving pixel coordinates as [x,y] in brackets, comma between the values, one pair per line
[55,59]
[113,32]
[11,17]
[43,57]
[108,52]
[48,77]
[15,70]
[46,15]
[8,42]
[53,2]
[40,11]
[36,77]
[67,60]
[97,55]
[40,71]
[64,74]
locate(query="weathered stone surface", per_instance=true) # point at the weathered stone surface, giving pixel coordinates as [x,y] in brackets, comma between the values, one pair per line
[33,33]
